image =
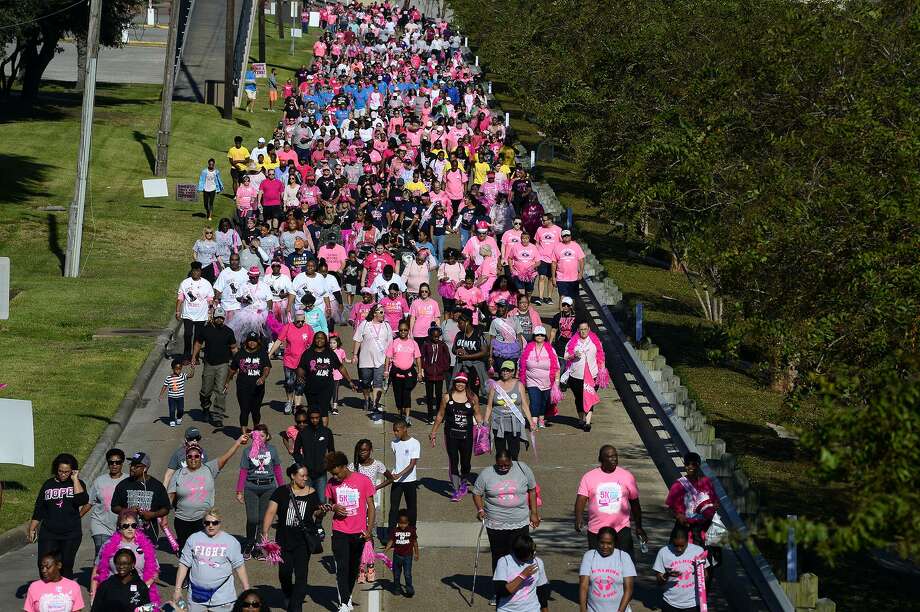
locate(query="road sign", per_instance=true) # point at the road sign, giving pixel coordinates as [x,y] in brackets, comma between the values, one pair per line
[296,33]
[17,437]
[155,188]
[314,19]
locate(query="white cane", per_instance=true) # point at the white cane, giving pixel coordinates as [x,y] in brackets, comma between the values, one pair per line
[482,526]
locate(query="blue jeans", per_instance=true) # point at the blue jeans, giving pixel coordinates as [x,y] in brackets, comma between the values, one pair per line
[539,401]
[403,565]
[320,485]
[464,237]
[439,246]
[176,407]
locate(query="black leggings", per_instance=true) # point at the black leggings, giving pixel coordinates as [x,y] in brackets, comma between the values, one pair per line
[346,549]
[250,399]
[65,545]
[459,453]
[185,529]
[208,197]
[403,382]
[191,330]
[500,541]
[510,442]
[397,492]
[434,389]
[292,574]
[577,386]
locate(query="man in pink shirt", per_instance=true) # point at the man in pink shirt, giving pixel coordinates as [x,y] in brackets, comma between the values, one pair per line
[296,337]
[334,254]
[454,183]
[547,237]
[612,498]
[523,258]
[568,266]
[270,192]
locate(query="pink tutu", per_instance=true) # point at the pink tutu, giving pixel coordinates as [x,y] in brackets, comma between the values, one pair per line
[250,320]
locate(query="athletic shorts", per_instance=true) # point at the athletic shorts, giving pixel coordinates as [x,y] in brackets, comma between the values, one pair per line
[371,377]
[544,269]
[567,288]
[273,95]
[250,93]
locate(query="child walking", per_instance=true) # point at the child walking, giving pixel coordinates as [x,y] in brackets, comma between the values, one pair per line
[335,343]
[435,365]
[174,388]
[404,542]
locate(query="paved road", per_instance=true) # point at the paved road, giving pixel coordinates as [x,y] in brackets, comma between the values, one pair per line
[447,530]
[130,64]
[203,56]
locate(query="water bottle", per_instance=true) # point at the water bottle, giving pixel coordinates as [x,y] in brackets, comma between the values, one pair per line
[643,546]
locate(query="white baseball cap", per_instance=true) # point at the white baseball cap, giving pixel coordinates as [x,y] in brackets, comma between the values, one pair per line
[567,300]
[539,330]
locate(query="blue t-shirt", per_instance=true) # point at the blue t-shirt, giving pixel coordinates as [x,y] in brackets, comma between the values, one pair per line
[250,80]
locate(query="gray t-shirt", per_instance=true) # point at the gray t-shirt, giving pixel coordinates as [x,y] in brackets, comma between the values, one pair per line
[505,495]
[101,518]
[501,329]
[605,579]
[177,461]
[194,491]
[211,562]
[261,466]
[679,592]
[525,598]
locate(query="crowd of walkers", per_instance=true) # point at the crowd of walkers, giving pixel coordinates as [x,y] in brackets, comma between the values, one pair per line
[386,201]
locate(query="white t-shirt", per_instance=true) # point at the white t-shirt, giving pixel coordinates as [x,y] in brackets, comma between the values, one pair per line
[525,598]
[679,592]
[404,452]
[195,296]
[374,338]
[230,284]
[259,292]
[381,286]
[277,284]
[606,576]
[316,285]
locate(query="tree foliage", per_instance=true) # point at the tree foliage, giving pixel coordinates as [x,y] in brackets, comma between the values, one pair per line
[31,32]
[773,147]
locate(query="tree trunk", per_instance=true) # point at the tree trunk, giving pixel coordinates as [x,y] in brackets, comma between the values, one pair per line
[279,10]
[34,64]
[80,41]
[261,18]
[676,265]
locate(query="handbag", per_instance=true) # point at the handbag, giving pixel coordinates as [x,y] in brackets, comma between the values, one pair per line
[482,440]
[311,534]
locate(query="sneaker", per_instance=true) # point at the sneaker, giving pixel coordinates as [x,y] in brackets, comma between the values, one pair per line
[247,552]
[492,601]
[344,608]
[461,492]
[408,422]
[541,424]
[587,427]
[350,604]
[410,592]
[335,409]
[179,421]
[376,416]
[172,423]
[288,407]
[217,423]
[536,302]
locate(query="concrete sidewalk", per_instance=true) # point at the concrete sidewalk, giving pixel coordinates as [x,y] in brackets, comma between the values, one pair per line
[447,530]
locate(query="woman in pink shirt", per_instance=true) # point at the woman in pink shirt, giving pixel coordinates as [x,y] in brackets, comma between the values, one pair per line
[454,183]
[403,363]
[523,260]
[395,306]
[422,313]
[247,200]
[417,273]
[470,296]
[539,370]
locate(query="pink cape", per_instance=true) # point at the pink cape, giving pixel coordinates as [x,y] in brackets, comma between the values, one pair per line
[591,398]
[151,566]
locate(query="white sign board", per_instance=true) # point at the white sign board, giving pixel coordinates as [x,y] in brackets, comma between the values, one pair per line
[17,438]
[269,8]
[296,33]
[314,19]
[155,188]
[259,69]
[4,288]
[294,12]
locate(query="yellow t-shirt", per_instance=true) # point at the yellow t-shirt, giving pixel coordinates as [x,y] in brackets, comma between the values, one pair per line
[418,187]
[271,165]
[480,170]
[239,157]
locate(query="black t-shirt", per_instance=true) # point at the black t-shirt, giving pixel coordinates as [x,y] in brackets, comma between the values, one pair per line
[290,534]
[58,507]
[326,186]
[458,419]
[318,367]
[146,495]
[115,596]
[250,366]
[217,343]
[470,344]
[565,328]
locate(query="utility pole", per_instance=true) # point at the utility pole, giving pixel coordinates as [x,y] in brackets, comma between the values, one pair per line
[293,5]
[229,45]
[169,83]
[261,18]
[279,8]
[77,206]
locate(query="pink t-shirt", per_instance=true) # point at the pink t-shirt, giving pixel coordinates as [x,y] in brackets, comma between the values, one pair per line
[454,181]
[510,239]
[246,198]
[608,497]
[547,238]
[452,272]
[297,342]
[524,260]
[352,494]
[567,257]
[394,310]
[271,192]
[61,596]
[340,353]
[335,257]
[470,298]
[538,362]
[415,274]
[403,352]
[425,312]
[375,263]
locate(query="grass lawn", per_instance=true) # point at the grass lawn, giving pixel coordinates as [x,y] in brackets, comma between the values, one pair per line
[738,405]
[135,251]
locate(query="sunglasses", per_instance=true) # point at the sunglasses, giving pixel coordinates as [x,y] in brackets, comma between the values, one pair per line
[252,604]
[128,526]
[116,462]
[211,523]
[195,456]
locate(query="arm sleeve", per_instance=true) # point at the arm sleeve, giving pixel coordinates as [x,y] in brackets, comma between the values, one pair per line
[658,566]
[585,569]
[279,474]
[241,481]
[119,497]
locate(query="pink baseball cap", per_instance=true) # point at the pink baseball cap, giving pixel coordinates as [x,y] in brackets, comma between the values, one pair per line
[254,271]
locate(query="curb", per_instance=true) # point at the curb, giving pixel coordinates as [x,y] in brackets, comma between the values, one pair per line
[14,538]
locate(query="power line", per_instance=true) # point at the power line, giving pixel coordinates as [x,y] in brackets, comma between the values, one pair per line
[37,19]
